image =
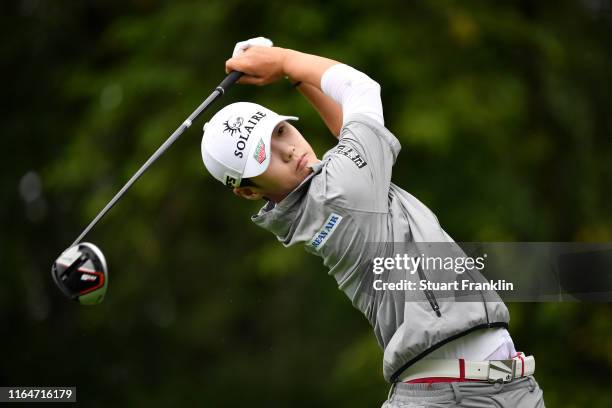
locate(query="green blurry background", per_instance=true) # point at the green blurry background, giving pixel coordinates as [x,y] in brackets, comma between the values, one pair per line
[503,111]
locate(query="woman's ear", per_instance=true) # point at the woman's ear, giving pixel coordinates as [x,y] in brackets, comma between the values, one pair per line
[249,193]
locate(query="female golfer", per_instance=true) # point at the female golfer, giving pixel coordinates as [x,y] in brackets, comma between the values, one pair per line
[344,208]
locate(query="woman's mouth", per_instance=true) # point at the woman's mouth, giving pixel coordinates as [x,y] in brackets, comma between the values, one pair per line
[301,162]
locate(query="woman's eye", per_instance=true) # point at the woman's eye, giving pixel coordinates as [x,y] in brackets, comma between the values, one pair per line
[280,130]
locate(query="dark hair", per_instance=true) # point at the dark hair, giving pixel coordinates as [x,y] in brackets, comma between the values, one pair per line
[247,182]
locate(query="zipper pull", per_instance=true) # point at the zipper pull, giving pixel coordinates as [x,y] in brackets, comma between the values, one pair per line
[436,308]
[433,302]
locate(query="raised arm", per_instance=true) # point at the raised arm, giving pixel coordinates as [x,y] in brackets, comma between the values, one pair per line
[329,110]
[335,93]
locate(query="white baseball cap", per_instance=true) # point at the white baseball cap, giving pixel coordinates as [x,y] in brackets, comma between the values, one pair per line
[236,141]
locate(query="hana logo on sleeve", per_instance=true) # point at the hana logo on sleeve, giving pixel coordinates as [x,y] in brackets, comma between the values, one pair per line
[351,154]
[320,238]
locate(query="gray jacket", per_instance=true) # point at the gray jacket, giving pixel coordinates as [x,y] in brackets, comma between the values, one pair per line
[348,211]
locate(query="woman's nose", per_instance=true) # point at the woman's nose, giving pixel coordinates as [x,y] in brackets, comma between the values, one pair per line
[289,152]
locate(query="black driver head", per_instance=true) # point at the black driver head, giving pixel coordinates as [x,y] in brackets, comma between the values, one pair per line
[81,273]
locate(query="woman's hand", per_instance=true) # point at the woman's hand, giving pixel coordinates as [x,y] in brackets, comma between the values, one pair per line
[260,65]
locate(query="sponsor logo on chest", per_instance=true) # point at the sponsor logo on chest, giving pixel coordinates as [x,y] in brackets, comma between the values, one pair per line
[320,238]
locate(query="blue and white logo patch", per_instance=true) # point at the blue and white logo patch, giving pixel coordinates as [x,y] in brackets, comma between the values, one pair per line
[320,238]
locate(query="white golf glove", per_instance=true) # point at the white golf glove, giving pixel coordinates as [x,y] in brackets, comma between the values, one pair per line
[242,46]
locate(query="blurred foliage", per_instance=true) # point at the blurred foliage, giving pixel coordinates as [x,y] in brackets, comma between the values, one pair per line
[503,112]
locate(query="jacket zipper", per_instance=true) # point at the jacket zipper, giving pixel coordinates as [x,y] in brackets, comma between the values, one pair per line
[430,295]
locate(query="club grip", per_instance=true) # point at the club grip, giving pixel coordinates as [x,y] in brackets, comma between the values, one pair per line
[229,80]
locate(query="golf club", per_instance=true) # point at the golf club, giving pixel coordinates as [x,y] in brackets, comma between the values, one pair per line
[81,271]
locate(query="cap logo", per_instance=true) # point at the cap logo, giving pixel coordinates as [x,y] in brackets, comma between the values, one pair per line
[233,124]
[260,152]
[253,121]
[230,181]
[243,138]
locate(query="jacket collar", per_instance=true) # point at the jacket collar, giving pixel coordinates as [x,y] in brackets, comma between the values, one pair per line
[280,218]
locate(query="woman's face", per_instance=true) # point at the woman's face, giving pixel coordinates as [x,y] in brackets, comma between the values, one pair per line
[290,157]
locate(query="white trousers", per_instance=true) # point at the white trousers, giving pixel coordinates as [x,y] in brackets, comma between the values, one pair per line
[520,393]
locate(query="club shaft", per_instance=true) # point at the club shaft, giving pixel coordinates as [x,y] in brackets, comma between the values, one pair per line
[220,90]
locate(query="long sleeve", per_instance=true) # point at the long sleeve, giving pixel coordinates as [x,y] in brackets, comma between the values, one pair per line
[354,91]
